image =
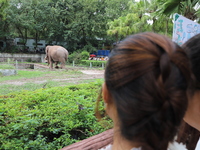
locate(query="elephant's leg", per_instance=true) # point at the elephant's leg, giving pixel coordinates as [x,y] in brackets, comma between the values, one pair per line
[46,59]
[51,63]
[62,63]
[56,64]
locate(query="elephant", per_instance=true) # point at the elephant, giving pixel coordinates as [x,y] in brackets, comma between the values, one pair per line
[56,54]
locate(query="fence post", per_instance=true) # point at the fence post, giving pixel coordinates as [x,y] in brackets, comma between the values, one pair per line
[102,65]
[8,60]
[16,66]
[73,64]
[90,64]
[42,58]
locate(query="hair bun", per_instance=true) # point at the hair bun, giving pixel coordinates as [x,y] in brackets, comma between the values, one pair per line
[147,76]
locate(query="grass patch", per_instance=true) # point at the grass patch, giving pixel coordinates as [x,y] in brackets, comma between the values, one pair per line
[23,74]
[8,88]
[27,74]
[5,89]
[36,79]
[6,66]
[33,79]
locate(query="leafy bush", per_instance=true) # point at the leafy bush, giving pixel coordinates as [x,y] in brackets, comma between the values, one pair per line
[84,55]
[49,119]
[78,56]
[75,56]
[29,60]
[89,48]
[11,49]
[95,63]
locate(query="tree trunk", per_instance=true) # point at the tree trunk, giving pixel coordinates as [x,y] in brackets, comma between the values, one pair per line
[116,35]
[23,36]
[36,39]
[166,28]
[26,37]
[154,20]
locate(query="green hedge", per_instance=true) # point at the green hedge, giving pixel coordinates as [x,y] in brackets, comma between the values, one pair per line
[78,56]
[49,119]
[95,63]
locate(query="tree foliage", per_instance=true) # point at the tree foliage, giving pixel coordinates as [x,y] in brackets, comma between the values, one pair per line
[3,5]
[85,24]
[142,16]
[73,23]
[183,7]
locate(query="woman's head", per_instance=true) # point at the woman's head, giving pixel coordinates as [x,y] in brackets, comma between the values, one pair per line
[192,48]
[146,79]
[189,133]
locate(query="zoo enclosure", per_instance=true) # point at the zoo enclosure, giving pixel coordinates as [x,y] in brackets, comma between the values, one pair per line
[22,57]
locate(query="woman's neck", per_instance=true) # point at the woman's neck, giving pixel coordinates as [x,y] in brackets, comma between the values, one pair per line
[120,143]
[192,116]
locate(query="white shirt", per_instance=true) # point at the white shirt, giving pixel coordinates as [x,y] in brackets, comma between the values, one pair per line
[171,146]
[198,145]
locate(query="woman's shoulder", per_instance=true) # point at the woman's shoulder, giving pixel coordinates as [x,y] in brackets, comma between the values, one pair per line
[172,146]
[176,146]
[109,147]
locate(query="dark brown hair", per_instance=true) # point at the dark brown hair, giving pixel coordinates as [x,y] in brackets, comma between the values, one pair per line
[192,49]
[147,76]
[187,134]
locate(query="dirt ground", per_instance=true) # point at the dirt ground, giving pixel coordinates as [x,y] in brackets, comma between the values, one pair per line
[63,78]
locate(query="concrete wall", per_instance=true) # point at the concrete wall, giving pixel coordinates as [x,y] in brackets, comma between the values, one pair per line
[22,57]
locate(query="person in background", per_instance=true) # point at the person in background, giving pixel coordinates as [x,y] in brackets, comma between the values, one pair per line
[145,92]
[189,131]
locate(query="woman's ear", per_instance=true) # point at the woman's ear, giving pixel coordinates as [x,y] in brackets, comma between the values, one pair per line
[105,94]
[108,102]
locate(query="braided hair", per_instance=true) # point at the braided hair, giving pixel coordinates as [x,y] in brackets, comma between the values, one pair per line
[147,76]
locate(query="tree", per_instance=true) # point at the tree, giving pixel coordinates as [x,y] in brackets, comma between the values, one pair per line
[28,18]
[76,23]
[135,21]
[142,16]
[3,23]
[17,20]
[3,5]
[116,8]
[41,14]
[183,7]
[84,21]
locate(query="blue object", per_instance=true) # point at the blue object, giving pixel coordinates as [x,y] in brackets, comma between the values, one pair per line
[103,53]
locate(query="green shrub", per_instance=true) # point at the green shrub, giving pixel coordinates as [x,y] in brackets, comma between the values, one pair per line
[49,119]
[29,60]
[78,56]
[75,56]
[89,48]
[85,55]
[95,63]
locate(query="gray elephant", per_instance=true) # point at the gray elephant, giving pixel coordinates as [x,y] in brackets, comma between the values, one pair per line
[56,54]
